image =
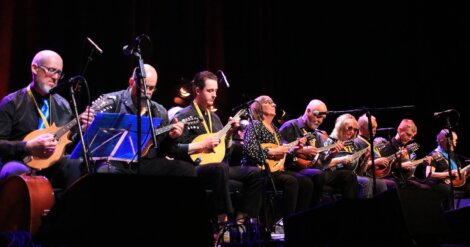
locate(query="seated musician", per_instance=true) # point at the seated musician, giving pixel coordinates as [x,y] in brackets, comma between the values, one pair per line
[403,147]
[32,108]
[362,141]
[438,173]
[306,160]
[205,148]
[345,160]
[153,160]
[297,188]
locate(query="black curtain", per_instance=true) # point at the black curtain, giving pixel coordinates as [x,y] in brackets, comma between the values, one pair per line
[349,54]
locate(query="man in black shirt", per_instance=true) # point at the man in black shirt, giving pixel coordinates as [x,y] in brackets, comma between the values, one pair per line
[216,174]
[32,108]
[402,168]
[155,162]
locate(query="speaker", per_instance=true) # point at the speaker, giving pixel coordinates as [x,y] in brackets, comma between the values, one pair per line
[404,217]
[132,210]
[458,221]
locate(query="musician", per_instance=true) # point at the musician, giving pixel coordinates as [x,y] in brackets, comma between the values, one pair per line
[402,167]
[438,172]
[155,163]
[342,161]
[297,187]
[363,141]
[32,108]
[216,175]
[313,117]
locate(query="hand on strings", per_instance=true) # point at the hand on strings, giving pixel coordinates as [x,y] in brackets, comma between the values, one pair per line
[235,123]
[382,161]
[339,146]
[403,153]
[87,117]
[455,173]
[300,144]
[42,146]
[427,160]
[309,151]
[277,153]
[344,160]
[208,144]
[177,129]
[407,165]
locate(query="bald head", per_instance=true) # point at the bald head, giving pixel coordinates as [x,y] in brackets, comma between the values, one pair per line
[316,105]
[363,123]
[46,69]
[310,117]
[150,80]
[45,56]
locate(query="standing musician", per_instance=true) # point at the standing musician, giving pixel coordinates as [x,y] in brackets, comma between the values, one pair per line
[205,148]
[438,172]
[297,187]
[32,108]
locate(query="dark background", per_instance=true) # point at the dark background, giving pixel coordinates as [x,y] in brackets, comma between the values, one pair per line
[349,54]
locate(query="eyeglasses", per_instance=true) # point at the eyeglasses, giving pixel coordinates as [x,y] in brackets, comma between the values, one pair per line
[51,71]
[352,128]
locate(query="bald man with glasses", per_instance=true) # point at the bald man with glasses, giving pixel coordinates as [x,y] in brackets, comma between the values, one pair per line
[32,108]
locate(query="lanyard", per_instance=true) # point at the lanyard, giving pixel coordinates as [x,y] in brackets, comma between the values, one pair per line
[453,165]
[203,119]
[312,141]
[44,120]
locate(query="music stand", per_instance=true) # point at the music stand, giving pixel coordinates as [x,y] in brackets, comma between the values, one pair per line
[114,136]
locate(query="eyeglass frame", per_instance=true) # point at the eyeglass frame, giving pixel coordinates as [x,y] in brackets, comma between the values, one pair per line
[51,71]
[351,128]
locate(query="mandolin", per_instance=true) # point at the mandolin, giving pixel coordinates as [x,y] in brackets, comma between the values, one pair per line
[62,136]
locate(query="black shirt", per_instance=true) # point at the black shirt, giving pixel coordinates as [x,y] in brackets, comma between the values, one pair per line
[252,153]
[123,104]
[180,147]
[19,116]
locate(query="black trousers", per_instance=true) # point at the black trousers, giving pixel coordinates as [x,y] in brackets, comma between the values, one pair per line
[345,180]
[253,187]
[297,189]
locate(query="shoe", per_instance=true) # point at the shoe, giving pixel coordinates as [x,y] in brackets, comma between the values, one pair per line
[279,227]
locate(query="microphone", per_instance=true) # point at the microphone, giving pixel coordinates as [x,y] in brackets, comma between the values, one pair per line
[223,78]
[242,106]
[130,49]
[94,45]
[319,113]
[443,113]
[64,85]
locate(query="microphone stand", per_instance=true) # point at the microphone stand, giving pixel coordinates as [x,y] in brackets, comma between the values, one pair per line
[450,152]
[80,131]
[139,78]
[372,153]
[85,148]
[371,135]
[265,164]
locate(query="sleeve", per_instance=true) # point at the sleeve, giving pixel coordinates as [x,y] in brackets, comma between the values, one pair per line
[9,149]
[251,147]
[288,132]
